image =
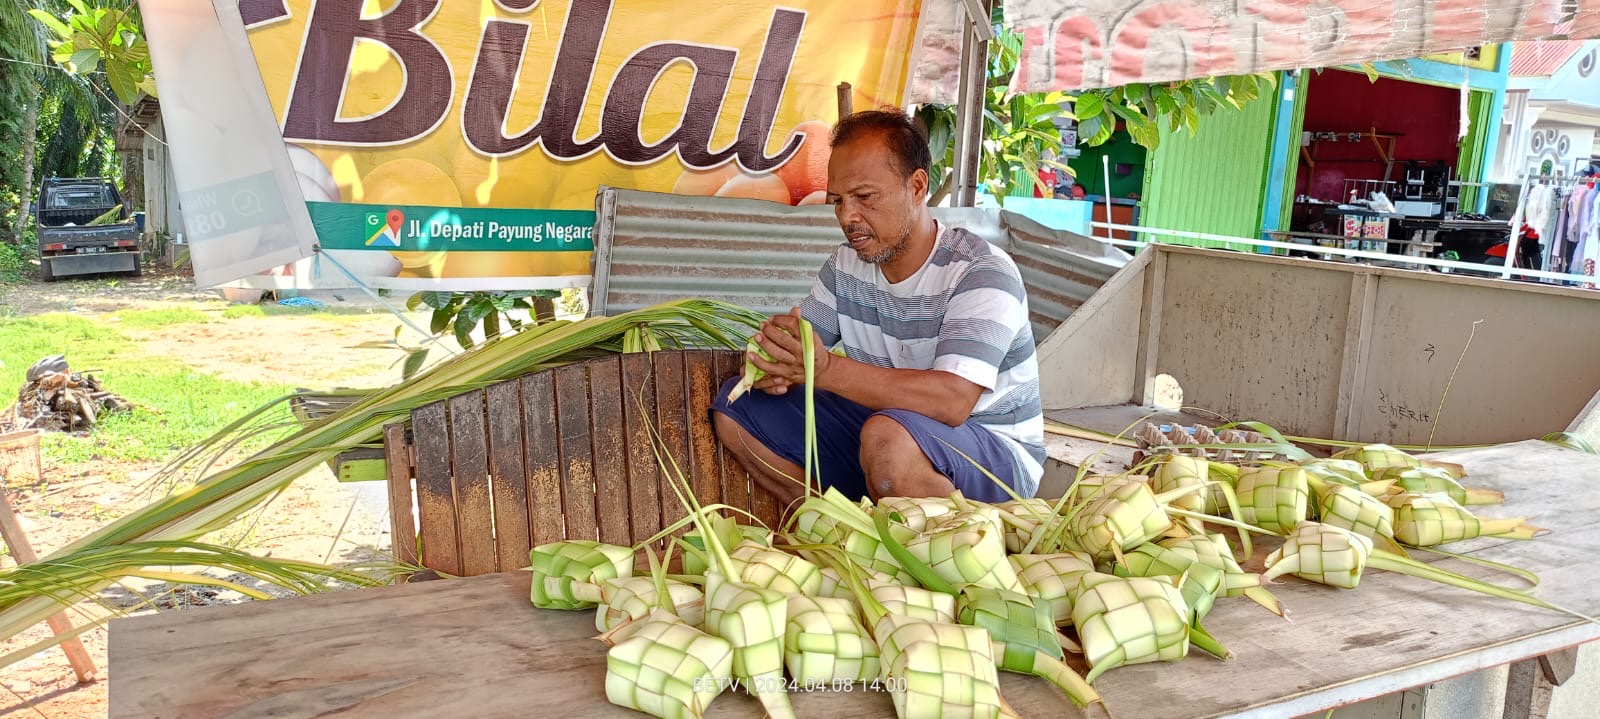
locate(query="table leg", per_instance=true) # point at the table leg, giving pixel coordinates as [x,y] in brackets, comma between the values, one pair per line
[22,551]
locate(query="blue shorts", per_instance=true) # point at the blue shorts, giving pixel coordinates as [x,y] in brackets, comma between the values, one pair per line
[778,422]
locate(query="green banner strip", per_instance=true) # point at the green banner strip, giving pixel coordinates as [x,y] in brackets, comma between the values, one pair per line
[418,228]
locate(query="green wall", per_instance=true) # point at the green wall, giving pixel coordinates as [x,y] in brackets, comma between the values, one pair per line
[1122,149]
[1214,181]
[1470,162]
[1296,127]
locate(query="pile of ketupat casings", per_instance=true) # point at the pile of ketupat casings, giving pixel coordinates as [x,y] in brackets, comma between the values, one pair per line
[929,598]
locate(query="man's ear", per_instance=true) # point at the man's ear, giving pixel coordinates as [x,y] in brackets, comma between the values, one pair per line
[919,185]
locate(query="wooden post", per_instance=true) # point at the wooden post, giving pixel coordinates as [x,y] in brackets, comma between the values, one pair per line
[846,101]
[973,87]
[11,531]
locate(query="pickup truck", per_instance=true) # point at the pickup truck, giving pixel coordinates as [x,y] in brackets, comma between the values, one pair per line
[84,229]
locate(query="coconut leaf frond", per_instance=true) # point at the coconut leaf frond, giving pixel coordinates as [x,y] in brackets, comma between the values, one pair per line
[223,495]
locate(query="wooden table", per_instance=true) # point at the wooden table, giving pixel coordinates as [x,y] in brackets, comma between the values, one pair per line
[475,647]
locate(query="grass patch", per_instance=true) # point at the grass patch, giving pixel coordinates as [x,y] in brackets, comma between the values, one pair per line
[234,312]
[176,406]
[151,319]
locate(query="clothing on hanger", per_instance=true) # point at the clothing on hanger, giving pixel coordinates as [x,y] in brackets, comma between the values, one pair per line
[1559,249]
[1591,237]
[1578,218]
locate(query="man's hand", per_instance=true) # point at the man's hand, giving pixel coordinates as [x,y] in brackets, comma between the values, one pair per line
[780,338]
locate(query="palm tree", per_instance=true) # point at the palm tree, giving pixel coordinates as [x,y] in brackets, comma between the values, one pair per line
[21,41]
[77,120]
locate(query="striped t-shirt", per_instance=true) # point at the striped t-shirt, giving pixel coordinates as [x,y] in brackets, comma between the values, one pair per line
[965,312]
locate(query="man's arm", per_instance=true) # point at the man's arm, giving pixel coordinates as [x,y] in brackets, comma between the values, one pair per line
[934,393]
[986,311]
[940,395]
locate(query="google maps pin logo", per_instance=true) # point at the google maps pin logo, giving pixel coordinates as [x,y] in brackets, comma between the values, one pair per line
[396,218]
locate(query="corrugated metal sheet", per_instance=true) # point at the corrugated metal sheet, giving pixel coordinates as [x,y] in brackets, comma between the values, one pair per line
[1542,58]
[654,247]
[1213,181]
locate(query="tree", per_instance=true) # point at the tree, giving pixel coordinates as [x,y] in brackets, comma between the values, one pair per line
[92,37]
[22,51]
[1019,131]
[1142,106]
[58,72]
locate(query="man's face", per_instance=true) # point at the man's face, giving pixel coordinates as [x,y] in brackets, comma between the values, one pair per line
[871,199]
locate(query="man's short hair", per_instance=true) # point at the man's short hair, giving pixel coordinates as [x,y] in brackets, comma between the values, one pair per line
[908,147]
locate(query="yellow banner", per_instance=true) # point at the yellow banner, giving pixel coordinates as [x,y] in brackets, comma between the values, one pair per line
[453,143]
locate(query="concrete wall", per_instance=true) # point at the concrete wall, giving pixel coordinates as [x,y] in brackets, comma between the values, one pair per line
[1479,695]
[1568,148]
[162,213]
[1347,352]
[1334,350]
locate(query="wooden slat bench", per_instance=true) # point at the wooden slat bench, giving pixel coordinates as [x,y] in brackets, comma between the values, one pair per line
[478,479]
[355,465]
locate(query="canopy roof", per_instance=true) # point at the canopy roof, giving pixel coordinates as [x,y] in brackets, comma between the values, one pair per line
[1078,44]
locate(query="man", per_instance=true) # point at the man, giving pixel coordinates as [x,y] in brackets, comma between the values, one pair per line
[939,355]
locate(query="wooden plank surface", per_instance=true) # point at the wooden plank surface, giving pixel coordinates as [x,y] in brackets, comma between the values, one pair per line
[643,476]
[474,646]
[542,448]
[508,481]
[764,506]
[700,370]
[469,462]
[577,452]
[397,457]
[435,495]
[672,424]
[610,457]
[505,659]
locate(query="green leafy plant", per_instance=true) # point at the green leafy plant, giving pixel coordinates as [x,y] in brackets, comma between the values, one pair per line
[1020,135]
[90,38]
[464,314]
[53,123]
[1141,107]
[1019,131]
[572,302]
[12,263]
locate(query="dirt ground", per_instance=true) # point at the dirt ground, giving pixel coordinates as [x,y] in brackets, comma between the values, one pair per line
[317,519]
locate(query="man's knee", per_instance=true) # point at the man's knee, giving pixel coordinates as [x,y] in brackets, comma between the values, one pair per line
[731,435]
[883,438]
[887,451]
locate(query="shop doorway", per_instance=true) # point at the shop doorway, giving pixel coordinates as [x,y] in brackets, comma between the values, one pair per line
[1361,136]
[1386,162]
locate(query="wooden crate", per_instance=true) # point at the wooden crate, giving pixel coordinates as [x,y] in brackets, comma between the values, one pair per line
[478,479]
[19,457]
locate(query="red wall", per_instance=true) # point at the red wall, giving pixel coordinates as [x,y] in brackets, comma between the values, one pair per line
[1427,118]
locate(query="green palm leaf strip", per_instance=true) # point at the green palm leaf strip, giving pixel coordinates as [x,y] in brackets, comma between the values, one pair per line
[224,495]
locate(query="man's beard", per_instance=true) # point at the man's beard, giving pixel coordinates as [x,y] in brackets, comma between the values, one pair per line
[888,253]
